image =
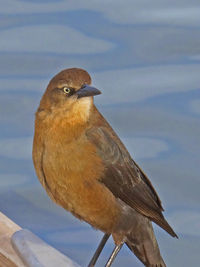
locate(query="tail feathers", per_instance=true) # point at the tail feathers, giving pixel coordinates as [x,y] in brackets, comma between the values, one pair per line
[145,247]
[142,254]
[164,224]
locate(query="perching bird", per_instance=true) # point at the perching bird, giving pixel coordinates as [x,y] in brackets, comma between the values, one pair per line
[87,170]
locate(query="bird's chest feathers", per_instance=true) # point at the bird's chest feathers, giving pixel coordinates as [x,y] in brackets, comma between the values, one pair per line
[73,157]
[71,170]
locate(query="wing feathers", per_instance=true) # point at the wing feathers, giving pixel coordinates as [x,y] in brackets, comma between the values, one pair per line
[123,176]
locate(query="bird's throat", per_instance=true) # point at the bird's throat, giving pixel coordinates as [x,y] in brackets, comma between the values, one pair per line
[70,121]
[80,111]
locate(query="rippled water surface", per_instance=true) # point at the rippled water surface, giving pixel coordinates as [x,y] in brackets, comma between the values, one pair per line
[145,57]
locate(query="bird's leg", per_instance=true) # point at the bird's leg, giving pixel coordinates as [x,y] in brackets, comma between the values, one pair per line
[98,251]
[114,254]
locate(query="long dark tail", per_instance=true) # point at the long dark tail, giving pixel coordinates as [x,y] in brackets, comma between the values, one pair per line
[145,247]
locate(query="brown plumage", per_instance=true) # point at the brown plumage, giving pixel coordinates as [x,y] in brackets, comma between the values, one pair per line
[86,169]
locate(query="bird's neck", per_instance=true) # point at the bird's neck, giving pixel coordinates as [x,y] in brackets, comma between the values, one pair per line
[69,122]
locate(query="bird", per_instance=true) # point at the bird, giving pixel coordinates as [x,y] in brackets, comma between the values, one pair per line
[86,169]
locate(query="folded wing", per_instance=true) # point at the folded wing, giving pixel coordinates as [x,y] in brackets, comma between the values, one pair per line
[123,177]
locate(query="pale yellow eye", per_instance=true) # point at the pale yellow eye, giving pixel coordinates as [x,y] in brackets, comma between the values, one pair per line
[66,90]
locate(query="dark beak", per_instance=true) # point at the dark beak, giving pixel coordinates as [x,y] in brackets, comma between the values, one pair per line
[87,90]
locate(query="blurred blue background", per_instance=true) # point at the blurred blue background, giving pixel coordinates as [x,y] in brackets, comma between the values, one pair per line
[145,58]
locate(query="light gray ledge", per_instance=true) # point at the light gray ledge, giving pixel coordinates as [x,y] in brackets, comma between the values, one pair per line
[36,253]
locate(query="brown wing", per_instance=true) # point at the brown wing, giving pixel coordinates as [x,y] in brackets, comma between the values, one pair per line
[123,176]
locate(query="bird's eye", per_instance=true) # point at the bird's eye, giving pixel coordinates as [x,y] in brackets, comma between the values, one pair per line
[66,90]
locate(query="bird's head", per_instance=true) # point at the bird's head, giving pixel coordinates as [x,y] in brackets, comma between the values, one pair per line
[68,89]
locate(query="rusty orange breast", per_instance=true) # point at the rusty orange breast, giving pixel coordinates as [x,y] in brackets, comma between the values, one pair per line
[73,170]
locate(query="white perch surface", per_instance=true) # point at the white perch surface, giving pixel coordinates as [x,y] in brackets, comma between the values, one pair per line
[21,248]
[36,253]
